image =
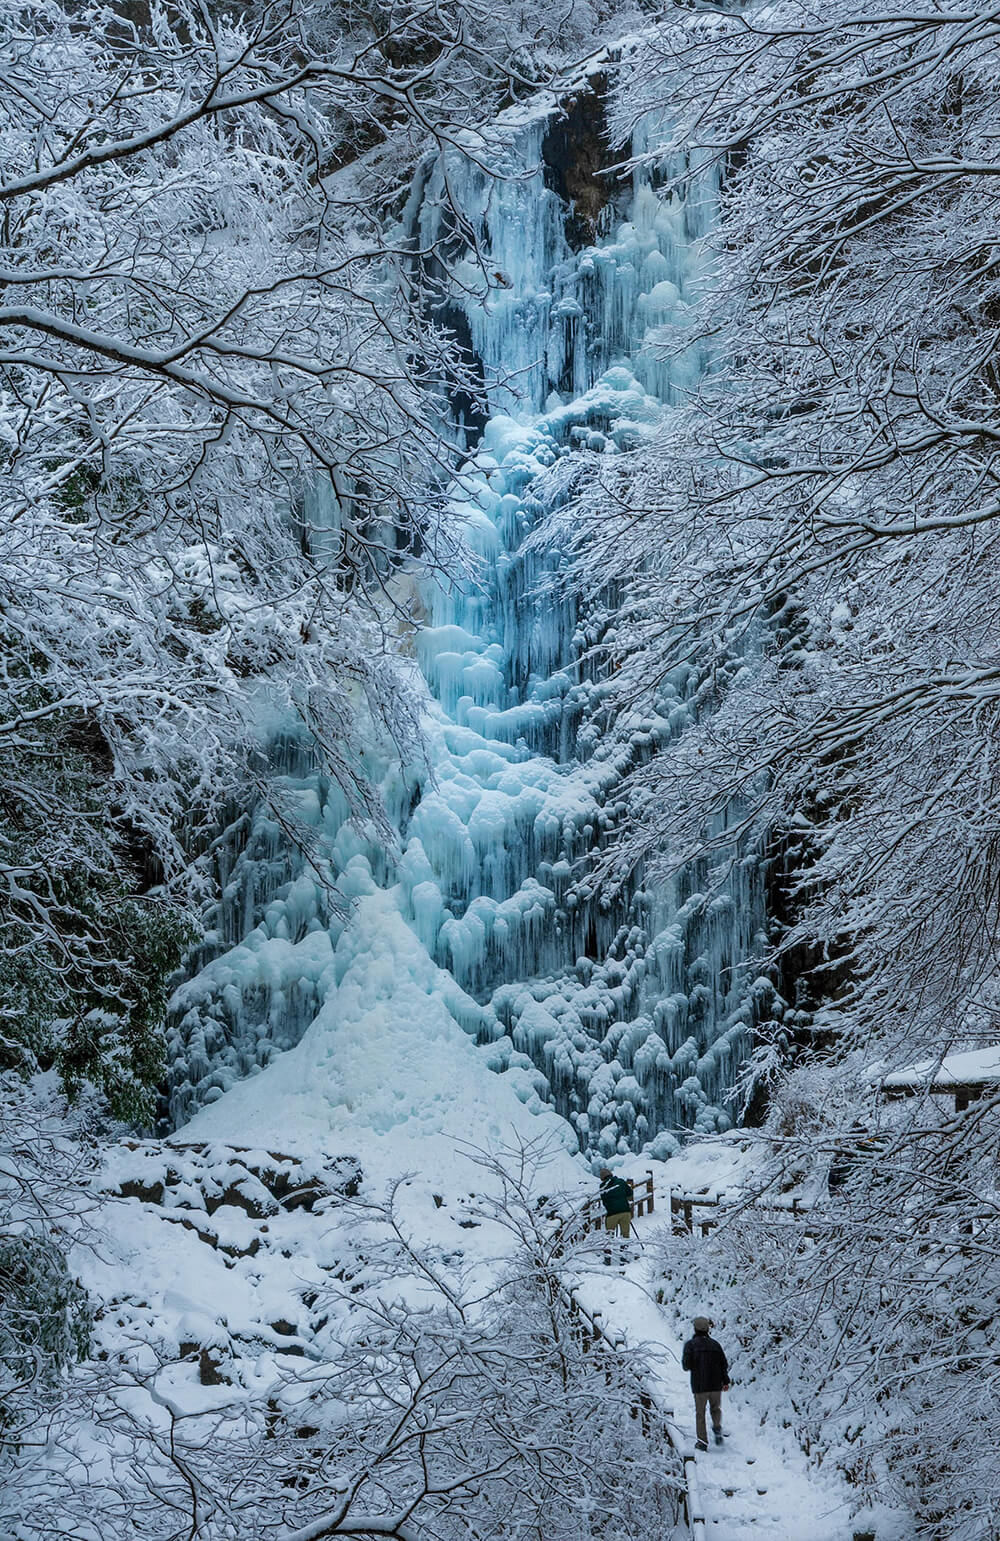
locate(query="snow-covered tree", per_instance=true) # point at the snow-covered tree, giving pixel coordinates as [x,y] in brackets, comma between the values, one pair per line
[440,1399]
[813,537]
[817,527]
[221,432]
[45,1319]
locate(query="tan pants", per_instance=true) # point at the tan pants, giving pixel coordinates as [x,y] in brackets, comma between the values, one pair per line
[621,1223]
[703,1399]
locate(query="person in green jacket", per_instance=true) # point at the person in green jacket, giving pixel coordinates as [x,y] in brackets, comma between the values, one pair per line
[616,1196]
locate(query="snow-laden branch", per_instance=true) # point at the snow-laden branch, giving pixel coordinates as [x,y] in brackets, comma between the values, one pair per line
[357,1525]
[224,447]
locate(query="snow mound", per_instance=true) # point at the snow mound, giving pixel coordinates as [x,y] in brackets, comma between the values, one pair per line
[387,1071]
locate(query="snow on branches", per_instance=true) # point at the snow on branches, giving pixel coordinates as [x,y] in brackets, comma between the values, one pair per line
[221,431]
[812,542]
[817,527]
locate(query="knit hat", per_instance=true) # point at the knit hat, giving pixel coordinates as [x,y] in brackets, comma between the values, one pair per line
[701,1324]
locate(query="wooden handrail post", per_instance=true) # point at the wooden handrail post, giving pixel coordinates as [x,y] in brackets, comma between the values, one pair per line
[695,1509]
[643,1407]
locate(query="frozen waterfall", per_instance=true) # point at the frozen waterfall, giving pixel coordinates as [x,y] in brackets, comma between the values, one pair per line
[630,1015]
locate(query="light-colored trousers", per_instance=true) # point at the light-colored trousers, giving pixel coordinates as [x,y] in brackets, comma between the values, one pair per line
[622,1223]
[703,1399]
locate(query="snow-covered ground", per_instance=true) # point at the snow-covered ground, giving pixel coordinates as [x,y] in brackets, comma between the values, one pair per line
[760,1483]
[385,1073]
[392,1092]
[387,1077]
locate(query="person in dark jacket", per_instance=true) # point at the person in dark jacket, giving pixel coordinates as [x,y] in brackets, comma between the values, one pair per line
[705,1360]
[616,1196]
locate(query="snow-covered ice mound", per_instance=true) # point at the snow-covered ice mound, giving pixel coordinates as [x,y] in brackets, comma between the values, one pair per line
[387,1071]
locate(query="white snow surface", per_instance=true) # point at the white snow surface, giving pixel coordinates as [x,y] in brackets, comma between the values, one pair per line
[759,1483]
[402,1087]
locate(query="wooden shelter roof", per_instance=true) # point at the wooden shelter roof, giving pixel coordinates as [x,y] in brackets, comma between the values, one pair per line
[970,1070]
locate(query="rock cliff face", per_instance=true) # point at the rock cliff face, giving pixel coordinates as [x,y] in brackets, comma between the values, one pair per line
[575,163]
[630,1015]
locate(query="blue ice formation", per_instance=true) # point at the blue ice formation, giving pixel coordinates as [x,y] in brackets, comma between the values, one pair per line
[633,1013]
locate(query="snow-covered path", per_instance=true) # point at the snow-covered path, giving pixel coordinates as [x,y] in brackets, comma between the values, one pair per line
[759,1484]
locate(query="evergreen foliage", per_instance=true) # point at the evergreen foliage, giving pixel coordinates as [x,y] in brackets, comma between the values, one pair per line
[45,1323]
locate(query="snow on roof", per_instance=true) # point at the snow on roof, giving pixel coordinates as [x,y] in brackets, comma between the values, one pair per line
[972,1067]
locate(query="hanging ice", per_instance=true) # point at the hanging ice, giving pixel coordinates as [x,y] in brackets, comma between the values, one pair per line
[633,1013]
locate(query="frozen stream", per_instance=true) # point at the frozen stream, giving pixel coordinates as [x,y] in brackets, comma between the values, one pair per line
[631,1016]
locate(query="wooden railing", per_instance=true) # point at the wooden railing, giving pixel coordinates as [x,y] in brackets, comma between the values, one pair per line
[694,1213]
[592,1323]
[683,1207]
